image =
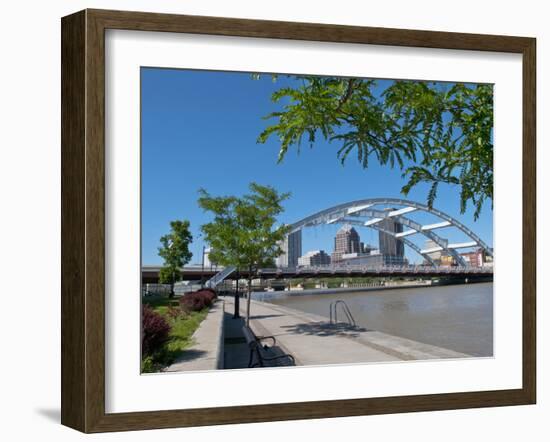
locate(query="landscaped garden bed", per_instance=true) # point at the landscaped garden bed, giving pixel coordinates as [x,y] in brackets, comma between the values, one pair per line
[168,324]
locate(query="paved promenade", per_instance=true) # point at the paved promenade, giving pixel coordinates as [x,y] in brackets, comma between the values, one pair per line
[313,341]
[206,353]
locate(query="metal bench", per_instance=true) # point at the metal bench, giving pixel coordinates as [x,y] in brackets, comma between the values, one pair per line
[260,353]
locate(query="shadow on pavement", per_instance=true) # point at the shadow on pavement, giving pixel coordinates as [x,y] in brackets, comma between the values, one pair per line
[189,355]
[325,329]
[265,316]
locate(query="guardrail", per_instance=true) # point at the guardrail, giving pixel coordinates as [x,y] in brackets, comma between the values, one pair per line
[219,277]
[381,269]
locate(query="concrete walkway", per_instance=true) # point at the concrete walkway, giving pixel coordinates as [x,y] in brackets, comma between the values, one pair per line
[206,353]
[313,341]
[236,350]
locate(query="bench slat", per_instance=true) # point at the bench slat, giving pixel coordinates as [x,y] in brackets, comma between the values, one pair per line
[261,351]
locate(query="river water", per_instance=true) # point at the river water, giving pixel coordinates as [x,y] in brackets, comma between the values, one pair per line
[457,317]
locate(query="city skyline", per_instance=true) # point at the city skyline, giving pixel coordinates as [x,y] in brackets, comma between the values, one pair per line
[199,129]
[349,249]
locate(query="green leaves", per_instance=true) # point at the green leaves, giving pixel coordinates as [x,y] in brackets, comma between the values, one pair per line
[243,232]
[175,251]
[435,133]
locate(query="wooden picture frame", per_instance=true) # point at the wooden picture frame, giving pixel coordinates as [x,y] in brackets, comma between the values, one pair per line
[83,220]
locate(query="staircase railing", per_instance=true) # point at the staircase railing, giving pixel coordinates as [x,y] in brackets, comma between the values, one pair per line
[219,277]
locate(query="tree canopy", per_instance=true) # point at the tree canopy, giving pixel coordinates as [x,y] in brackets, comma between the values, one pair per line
[175,251]
[435,133]
[243,232]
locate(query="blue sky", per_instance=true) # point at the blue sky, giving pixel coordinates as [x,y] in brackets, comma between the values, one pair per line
[199,129]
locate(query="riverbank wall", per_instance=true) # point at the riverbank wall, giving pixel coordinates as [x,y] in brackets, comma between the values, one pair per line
[321,291]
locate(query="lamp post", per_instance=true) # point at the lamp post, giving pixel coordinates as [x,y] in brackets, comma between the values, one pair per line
[173,280]
[202,267]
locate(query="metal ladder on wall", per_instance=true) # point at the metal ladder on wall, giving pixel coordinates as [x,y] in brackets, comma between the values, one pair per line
[347,312]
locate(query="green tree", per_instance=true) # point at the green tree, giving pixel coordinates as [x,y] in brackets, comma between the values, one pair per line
[175,252]
[435,133]
[243,232]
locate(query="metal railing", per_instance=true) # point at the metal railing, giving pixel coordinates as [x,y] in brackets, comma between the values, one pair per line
[344,307]
[397,269]
[219,277]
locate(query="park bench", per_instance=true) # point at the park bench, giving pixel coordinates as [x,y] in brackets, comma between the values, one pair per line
[262,354]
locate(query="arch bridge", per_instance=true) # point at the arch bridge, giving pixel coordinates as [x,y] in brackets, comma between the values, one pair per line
[368,213]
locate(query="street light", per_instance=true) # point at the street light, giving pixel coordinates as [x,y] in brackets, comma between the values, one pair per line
[172,291]
[202,266]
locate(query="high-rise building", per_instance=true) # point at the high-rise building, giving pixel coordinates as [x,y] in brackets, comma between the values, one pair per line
[346,241]
[292,250]
[436,255]
[373,260]
[439,256]
[389,244]
[314,258]
[366,249]
[475,258]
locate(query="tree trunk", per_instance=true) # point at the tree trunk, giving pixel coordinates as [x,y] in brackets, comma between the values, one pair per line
[236,314]
[172,283]
[249,293]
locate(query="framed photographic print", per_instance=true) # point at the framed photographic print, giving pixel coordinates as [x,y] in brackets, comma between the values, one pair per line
[269,220]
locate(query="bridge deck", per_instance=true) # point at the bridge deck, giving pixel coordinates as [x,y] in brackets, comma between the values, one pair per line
[313,341]
[150,274]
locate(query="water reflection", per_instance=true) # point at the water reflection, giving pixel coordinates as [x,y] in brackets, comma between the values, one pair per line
[394,305]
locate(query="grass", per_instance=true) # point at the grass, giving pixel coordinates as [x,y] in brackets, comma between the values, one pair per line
[183,326]
[160,303]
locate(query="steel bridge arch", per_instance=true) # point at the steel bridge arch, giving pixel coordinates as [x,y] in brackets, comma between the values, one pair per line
[351,211]
[405,241]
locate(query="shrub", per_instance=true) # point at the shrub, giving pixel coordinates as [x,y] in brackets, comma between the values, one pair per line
[192,302]
[212,291]
[196,301]
[209,295]
[175,312]
[154,331]
[148,365]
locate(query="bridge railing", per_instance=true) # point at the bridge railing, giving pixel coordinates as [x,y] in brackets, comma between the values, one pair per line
[351,268]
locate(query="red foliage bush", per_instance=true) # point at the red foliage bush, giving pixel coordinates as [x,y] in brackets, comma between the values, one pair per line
[212,291]
[209,294]
[196,301]
[154,330]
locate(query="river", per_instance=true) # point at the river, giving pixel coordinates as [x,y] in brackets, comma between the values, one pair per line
[457,317]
